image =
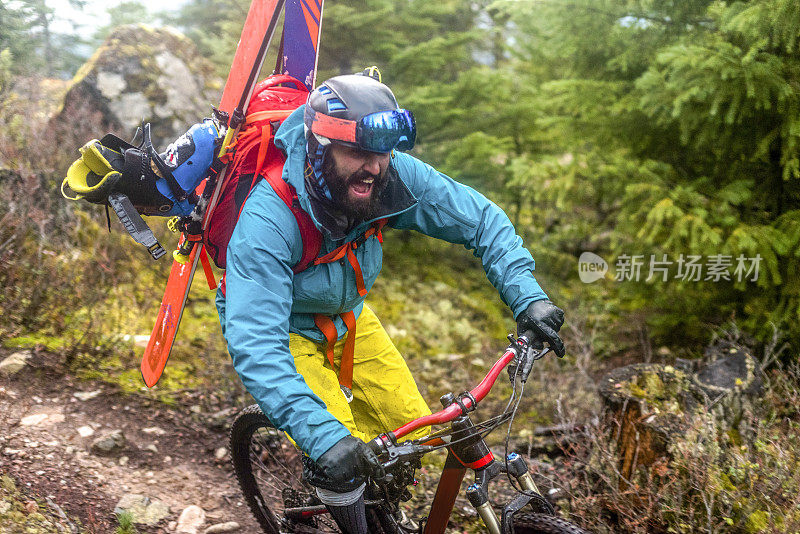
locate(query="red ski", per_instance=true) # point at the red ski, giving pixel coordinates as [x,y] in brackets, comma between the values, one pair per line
[259,27]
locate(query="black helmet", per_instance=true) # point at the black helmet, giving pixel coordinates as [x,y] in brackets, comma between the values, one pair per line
[358,110]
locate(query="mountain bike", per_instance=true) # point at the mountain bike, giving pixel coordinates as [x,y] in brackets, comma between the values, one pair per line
[269,467]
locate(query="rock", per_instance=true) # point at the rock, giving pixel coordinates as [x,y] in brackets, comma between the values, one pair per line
[10,393]
[4,507]
[86,395]
[154,430]
[221,453]
[109,444]
[55,418]
[33,420]
[15,363]
[42,418]
[190,520]
[144,510]
[139,72]
[220,419]
[85,431]
[219,528]
[123,461]
[152,448]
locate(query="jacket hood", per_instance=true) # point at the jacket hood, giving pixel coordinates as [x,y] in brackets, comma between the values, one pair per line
[291,139]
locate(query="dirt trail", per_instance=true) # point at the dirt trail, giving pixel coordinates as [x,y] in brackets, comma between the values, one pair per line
[170,458]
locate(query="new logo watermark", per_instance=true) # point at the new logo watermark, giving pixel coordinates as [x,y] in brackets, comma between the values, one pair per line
[686,268]
[591,267]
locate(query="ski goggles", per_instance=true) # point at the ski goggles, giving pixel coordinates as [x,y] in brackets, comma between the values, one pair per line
[383,131]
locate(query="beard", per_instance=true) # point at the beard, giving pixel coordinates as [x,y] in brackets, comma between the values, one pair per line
[355,208]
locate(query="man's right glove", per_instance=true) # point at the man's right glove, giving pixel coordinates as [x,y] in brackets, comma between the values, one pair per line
[350,460]
[544,319]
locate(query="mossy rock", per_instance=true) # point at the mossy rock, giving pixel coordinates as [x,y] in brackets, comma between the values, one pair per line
[138,73]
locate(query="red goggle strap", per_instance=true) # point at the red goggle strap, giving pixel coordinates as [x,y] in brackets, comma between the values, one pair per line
[333,128]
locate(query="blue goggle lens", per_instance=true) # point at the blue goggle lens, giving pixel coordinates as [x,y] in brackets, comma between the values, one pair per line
[386,131]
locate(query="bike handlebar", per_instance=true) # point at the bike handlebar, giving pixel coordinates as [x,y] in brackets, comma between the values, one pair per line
[467,401]
[454,410]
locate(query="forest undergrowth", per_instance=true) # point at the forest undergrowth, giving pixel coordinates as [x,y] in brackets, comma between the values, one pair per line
[72,287]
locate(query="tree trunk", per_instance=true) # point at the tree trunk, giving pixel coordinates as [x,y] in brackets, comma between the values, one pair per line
[648,407]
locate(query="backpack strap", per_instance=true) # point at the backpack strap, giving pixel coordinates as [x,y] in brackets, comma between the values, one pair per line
[325,324]
[309,233]
[348,250]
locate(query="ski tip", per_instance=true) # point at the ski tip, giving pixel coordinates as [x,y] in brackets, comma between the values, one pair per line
[150,375]
[149,380]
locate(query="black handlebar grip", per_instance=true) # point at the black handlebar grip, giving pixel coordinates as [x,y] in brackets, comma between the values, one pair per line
[376,445]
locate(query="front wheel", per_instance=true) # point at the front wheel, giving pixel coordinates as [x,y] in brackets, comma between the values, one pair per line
[531,523]
[269,469]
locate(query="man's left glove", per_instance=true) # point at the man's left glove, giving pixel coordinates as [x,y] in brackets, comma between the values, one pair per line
[544,319]
[349,462]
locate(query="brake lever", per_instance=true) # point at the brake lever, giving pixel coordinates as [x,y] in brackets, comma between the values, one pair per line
[526,354]
[402,451]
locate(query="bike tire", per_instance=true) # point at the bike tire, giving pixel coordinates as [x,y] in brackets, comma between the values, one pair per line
[266,463]
[533,523]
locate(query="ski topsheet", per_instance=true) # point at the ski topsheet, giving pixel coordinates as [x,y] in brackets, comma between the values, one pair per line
[257,32]
[303,23]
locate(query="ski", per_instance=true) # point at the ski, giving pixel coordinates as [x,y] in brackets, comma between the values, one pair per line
[298,57]
[259,27]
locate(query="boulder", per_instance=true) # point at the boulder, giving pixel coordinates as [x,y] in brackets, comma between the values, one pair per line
[109,444]
[139,73]
[220,528]
[191,519]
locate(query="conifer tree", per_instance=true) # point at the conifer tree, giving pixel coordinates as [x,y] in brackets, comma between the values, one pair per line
[680,121]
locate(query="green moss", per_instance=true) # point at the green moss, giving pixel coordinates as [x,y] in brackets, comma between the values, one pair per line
[652,384]
[637,391]
[734,436]
[726,483]
[50,343]
[7,483]
[757,521]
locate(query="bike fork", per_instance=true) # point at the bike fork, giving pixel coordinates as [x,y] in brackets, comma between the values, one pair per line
[478,495]
[479,499]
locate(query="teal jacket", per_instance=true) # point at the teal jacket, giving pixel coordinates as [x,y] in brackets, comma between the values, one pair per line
[265,301]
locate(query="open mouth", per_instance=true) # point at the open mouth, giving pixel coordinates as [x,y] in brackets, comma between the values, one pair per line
[362,188]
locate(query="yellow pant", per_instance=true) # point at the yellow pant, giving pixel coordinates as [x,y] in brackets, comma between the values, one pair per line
[385,395]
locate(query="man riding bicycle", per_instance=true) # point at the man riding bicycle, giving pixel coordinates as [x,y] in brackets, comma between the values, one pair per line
[310,351]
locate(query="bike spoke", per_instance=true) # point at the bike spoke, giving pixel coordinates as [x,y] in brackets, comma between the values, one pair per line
[281,462]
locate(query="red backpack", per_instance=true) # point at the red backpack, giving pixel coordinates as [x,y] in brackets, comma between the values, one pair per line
[253,156]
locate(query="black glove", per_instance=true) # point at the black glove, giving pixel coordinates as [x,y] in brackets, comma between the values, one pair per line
[350,459]
[544,319]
